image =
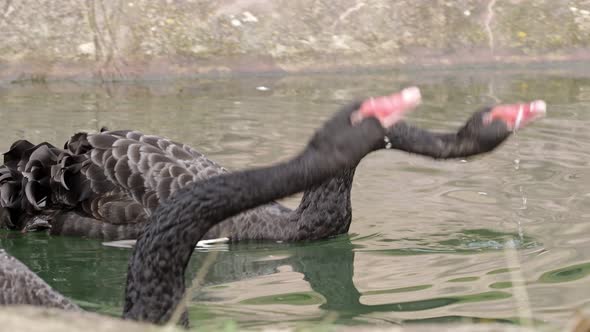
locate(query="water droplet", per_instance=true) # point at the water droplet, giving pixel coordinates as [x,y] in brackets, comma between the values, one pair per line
[387,142]
[511,244]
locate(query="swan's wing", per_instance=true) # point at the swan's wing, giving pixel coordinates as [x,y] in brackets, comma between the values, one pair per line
[10,188]
[148,168]
[115,178]
[10,197]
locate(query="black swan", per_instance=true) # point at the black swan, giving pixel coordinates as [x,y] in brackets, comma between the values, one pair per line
[155,280]
[79,191]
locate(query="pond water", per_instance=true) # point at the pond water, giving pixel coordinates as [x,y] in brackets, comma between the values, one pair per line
[501,237]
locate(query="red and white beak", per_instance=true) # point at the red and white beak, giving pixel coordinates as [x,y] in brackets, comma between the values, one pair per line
[516,116]
[388,109]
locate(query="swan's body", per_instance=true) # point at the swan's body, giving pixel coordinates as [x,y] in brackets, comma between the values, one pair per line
[84,191]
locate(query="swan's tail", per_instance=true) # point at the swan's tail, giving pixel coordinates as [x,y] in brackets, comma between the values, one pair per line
[42,186]
[38,179]
[25,180]
[10,197]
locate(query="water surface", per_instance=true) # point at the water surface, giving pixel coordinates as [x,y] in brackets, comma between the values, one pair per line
[499,237]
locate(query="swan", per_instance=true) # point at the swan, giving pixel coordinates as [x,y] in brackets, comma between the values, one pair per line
[82,191]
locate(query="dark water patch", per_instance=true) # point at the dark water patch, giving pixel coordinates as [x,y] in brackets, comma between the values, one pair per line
[566,274]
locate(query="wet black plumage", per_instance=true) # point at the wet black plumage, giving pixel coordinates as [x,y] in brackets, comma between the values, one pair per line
[106,185]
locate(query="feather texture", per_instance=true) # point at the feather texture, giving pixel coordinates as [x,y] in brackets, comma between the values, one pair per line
[113,180]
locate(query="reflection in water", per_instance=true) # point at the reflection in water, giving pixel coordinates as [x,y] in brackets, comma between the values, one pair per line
[565,274]
[466,241]
[78,268]
[432,234]
[328,267]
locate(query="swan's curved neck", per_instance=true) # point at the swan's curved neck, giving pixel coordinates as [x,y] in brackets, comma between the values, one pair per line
[460,144]
[326,209]
[155,281]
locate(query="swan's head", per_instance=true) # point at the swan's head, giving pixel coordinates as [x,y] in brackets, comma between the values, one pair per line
[491,126]
[388,109]
[514,116]
[359,127]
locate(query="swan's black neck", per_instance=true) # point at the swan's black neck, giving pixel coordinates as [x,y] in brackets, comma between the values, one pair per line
[326,209]
[155,282]
[466,142]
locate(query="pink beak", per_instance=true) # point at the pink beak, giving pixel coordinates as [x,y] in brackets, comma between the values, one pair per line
[388,109]
[518,115]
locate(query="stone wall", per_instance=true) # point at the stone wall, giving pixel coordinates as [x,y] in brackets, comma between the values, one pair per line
[145,39]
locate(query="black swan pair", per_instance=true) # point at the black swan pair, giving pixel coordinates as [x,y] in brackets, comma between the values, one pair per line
[107,185]
[155,282]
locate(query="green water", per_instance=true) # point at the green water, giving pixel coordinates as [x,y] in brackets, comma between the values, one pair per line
[430,241]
